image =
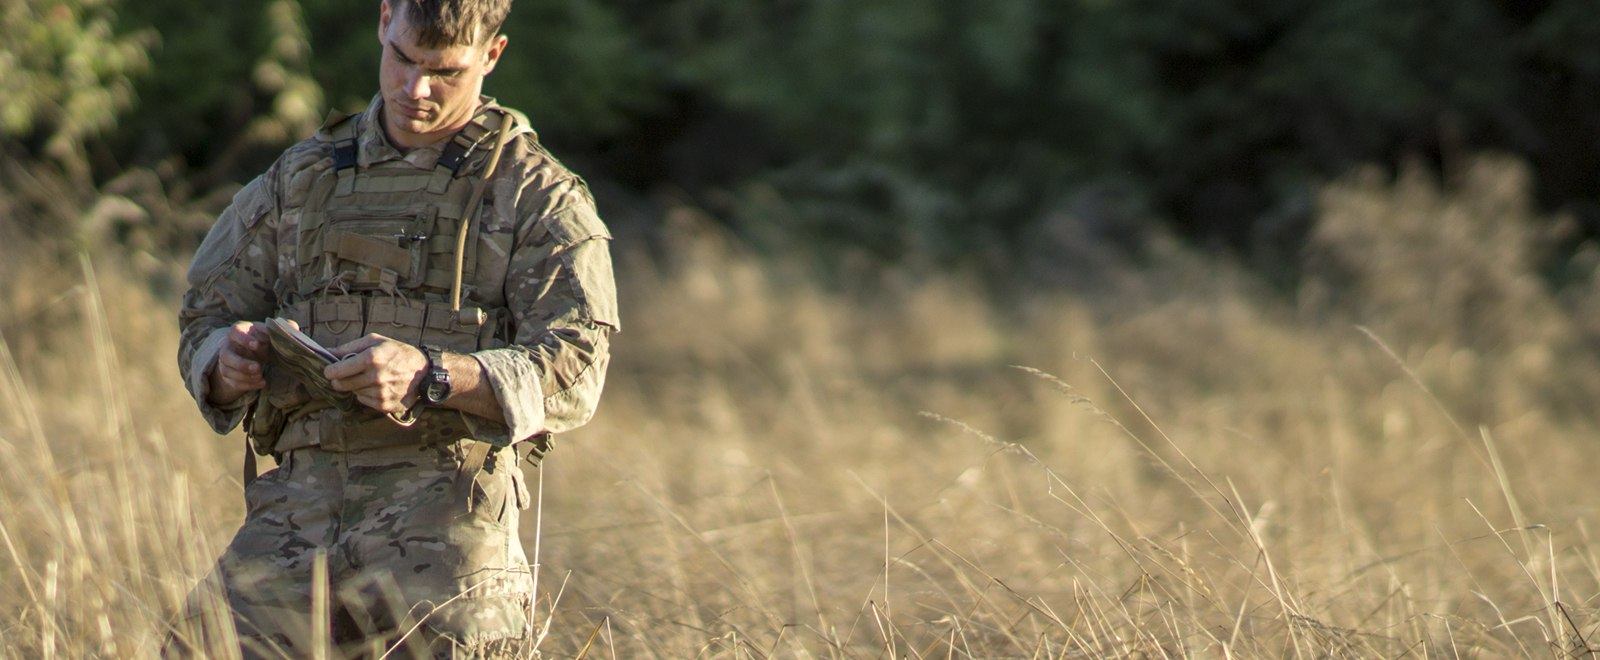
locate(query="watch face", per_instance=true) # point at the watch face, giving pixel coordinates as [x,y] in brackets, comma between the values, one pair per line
[436,392]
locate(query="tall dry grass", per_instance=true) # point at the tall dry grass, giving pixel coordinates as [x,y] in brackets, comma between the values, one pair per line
[1392,463]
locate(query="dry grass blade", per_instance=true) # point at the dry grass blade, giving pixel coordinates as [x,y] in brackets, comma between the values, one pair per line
[1247,481]
[589,643]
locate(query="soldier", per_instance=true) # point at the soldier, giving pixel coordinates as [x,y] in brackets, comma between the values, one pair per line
[464,277]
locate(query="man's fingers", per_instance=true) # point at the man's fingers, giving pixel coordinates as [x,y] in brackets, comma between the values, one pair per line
[240,372]
[245,385]
[236,374]
[242,380]
[238,363]
[347,366]
[249,339]
[244,343]
[357,345]
[372,399]
[360,381]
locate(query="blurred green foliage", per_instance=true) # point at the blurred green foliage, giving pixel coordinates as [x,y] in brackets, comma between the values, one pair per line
[943,129]
[575,66]
[64,72]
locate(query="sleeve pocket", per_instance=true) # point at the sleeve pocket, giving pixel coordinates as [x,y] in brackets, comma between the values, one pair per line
[577,223]
[593,286]
[228,236]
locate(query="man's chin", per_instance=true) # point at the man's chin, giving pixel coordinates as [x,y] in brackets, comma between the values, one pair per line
[411,125]
[417,126]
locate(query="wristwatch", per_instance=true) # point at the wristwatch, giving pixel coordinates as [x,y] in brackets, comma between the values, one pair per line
[435,383]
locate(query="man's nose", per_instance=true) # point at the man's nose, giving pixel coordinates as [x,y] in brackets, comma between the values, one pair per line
[417,86]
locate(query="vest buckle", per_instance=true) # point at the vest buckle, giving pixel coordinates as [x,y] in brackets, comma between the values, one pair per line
[407,238]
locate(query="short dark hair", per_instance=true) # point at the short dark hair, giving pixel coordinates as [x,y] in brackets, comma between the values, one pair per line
[444,23]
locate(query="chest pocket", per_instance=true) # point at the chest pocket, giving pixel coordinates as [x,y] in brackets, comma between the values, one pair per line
[371,250]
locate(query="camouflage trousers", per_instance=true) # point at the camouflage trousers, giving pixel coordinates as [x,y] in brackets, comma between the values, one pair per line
[404,549]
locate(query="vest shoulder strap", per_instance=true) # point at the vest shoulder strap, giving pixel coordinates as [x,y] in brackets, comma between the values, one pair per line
[520,123]
[340,129]
[475,137]
[337,121]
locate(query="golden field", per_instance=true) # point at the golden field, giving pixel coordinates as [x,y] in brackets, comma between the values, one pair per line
[1393,459]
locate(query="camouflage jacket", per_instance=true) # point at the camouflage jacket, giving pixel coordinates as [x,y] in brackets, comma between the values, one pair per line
[556,280]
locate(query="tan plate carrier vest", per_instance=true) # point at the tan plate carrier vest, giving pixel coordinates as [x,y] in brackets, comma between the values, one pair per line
[376,254]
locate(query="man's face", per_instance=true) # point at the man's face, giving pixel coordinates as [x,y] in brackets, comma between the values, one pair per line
[428,93]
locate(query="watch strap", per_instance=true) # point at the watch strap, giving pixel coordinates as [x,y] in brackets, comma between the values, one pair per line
[436,375]
[435,356]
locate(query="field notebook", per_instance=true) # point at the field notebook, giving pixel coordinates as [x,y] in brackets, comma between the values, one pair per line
[302,357]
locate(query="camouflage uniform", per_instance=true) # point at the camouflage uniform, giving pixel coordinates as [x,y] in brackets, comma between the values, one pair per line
[401,545]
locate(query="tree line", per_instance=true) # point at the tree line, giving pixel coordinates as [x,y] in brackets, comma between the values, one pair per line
[895,127]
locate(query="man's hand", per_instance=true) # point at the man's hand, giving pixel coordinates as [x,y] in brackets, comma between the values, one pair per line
[238,369]
[382,372]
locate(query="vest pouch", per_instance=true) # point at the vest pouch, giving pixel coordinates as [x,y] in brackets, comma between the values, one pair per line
[397,318]
[370,251]
[282,399]
[263,425]
[444,331]
[337,321]
[283,391]
[496,332]
[343,431]
[360,431]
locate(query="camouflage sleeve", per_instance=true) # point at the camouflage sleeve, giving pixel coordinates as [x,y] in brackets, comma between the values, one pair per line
[231,279]
[563,300]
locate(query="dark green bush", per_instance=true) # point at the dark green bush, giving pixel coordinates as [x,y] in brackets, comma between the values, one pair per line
[942,129]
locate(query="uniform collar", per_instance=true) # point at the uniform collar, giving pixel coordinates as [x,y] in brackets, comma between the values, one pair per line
[373,147]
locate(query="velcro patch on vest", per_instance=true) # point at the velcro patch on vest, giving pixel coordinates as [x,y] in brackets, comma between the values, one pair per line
[370,251]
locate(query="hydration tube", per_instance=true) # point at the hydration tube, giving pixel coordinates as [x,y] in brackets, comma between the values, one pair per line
[477,316]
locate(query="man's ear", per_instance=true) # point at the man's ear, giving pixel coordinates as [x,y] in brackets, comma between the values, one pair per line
[497,47]
[385,14]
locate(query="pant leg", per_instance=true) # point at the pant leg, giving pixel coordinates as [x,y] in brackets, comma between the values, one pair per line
[261,586]
[420,554]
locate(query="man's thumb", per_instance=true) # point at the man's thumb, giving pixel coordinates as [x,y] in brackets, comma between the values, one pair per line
[353,346]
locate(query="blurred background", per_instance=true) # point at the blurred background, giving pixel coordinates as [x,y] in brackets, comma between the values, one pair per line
[949,134]
[1305,292]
